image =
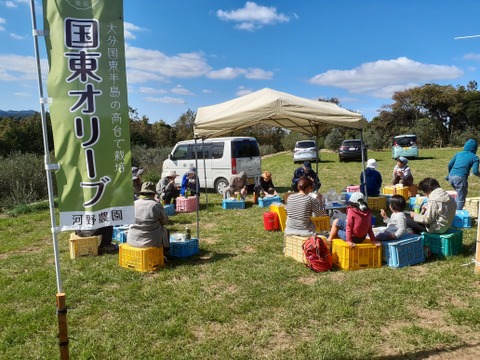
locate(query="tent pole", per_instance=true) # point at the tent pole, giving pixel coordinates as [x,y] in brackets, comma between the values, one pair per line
[197,187]
[205,175]
[316,162]
[60,297]
[363,164]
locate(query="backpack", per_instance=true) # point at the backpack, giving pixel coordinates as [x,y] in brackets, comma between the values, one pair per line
[316,255]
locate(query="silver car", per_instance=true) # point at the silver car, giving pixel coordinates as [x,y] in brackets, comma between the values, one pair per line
[306,150]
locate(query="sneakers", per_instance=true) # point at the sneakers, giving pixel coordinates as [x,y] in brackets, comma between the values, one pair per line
[108,249]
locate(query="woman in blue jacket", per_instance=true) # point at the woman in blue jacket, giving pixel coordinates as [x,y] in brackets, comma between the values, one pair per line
[459,169]
[373,179]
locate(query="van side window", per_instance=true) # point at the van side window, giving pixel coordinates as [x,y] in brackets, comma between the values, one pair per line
[181,152]
[200,148]
[217,150]
[245,148]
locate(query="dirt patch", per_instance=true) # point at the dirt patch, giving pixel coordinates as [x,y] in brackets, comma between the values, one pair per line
[307,280]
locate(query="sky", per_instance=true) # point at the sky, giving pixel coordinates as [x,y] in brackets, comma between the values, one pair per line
[187,54]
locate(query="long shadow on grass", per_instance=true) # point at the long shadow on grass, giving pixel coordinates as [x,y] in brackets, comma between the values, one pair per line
[425,354]
[199,259]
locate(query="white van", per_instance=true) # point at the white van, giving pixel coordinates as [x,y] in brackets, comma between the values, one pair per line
[224,157]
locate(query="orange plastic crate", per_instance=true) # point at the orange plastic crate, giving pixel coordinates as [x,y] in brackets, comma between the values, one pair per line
[140,259]
[362,256]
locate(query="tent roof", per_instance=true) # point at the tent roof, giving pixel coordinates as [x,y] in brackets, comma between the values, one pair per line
[274,108]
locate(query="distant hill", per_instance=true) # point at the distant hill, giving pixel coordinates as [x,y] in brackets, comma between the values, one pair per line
[16,114]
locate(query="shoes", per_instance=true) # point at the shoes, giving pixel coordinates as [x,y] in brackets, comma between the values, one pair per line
[108,249]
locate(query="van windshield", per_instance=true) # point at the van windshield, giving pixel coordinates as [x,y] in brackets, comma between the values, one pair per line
[405,140]
[245,148]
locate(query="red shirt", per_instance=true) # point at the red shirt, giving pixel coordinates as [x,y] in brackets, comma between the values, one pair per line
[359,223]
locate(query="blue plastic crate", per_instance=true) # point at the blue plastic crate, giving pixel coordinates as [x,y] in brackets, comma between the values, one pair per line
[183,249]
[446,244]
[408,250]
[462,219]
[120,234]
[267,201]
[233,204]
[169,209]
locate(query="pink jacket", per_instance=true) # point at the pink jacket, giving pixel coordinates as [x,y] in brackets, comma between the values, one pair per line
[359,223]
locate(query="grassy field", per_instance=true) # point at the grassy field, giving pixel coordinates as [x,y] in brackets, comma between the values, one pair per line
[240,298]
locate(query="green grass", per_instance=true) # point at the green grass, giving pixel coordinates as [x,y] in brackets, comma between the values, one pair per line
[240,298]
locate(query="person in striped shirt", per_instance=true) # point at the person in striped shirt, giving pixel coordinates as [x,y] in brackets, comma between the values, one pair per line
[300,207]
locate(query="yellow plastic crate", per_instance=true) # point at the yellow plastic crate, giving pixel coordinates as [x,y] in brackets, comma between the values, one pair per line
[322,223]
[279,209]
[391,190]
[471,205]
[83,246]
[140,259]
[377,203]
[362,256]
[292,246]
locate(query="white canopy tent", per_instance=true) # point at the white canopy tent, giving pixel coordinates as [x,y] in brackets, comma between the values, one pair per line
[274,108]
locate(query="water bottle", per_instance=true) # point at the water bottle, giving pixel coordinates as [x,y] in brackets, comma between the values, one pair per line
[188,234]
[239,197]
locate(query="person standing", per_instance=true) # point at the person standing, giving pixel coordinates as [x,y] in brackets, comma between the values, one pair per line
[373,179]
[459,169]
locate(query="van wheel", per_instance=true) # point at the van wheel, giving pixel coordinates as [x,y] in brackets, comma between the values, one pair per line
[220,185]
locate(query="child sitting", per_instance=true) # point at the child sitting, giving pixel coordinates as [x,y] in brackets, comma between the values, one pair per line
[357,225]
[402,173]
[397,223]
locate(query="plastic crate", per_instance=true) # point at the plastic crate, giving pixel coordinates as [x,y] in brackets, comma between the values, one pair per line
[353,188]
[446,244]
[462,219]
[83,246]
[186,205]
[377,203]
[229,204]
[183,249]
[391,190]
[120,233]
[471,204]
[346,195]
[362,256]
[280,210]
[169,209]
[322,223]
[267,201]
[140,259]
[292,246]
[408,250]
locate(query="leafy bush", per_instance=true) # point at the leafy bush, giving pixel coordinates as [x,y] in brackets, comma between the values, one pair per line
[289,140]
[375,140]
[150,159]
[267,150]
[334,139]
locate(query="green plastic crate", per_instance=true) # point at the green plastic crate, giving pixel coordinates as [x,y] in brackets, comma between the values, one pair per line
[444,245]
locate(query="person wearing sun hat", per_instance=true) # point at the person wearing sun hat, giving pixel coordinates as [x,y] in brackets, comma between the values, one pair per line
[237,185]
[166,188]
[402,173]
[306,170]
[264,186]
[373,179]
[190,181]
[137,180]
[150,220]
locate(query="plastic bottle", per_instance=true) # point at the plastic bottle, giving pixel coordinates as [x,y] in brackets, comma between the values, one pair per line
[188,234]
[417,205]
[239,197]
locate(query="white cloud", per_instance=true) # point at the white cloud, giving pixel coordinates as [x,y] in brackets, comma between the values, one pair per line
[129,29]
[10,4]
[227,73]
[471,56]
[259,74]
[382,77]
[22,94]
[16,67]
[207,91]
[150,90]
[253,17]
[242,90]
[2,28]
[3,21]
[17,37]
[180,90]
[167,100]
[143,61]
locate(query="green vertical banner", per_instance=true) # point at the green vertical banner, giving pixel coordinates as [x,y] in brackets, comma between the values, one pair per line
[89,112]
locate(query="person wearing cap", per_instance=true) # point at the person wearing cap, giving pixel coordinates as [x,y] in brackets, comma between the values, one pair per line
[264,186]
[150,220]
[305,170]
[137,180]
[300,207]
[167,190]
[358,224]
[459,169]
[238,185]
[373,179]
[402,173]
[437,215]
[189,182]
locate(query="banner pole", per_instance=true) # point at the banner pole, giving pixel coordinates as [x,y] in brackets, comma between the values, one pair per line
[61,306]
[477,251]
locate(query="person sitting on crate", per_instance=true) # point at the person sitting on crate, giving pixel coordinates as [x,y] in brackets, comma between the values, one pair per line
[150,220]
[300,207]
[306,170]
[237,187]
[167,190]
[189,182]
[437,214]
[402,173]
[373,179]
[397,222]
[358,224]
[264,186]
